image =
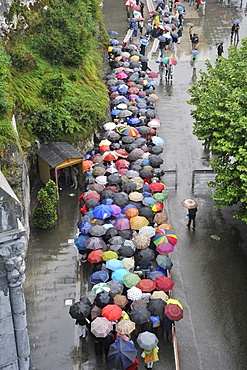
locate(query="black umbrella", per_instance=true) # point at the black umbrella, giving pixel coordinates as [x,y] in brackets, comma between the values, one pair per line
[150,113]
[120,200]
[126,251]
[115,146]
[103,299]
[140,141]
[132,108]
[80,310]
[155,160]
[113,136]
[158,172]
[110,233]
[136,167]
[140,315]
[107,194]
[137,205]
[124,113]
[145,173]
[92,203]
[97,230]
[128,187]
[146,254]
[144,130]
[116,240]
[115,287]
[156,307]
[114,179]
[128,139]
[130,147]
[147,212]
[126,234]
[156,150]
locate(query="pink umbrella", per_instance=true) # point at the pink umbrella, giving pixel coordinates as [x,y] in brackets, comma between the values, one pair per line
[121,75]
[133,96]
[165,248]
[122,224]
[122,171]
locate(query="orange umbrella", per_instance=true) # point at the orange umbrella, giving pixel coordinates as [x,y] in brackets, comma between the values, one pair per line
[132,212]
[95,256]
[87,164]
[146,285]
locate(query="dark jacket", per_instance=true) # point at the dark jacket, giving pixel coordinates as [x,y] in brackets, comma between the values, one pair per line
[192,212]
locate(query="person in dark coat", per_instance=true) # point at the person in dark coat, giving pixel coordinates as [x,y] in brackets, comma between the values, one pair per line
[107,341]
[97,342]
[220,49]
[192,217]
[166,325]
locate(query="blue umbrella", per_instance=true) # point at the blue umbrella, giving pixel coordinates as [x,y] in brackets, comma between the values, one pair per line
[99,277]
[236,21]
[122,89]
[107,201]
[144,41]
[128,206]
[194,52]
[133,121]
[119,274]
[115,112]
[154,274]
[114,42]
[148,201]
[84,227]
[80,242]
[122,354]
[146,194]
[158,141]
[102,212]
[115,33]
[161,39]
[114,264]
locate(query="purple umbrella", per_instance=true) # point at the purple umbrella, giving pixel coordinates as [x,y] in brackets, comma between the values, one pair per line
[116,210]
[122,224]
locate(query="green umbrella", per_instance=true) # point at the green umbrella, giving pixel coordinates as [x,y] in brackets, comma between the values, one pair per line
[131,280]
[159,197]
[164,262]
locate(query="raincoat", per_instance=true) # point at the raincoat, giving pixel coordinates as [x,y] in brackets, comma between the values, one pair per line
[150,355]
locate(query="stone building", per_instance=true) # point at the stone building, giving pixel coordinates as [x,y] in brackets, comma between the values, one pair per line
[14,341]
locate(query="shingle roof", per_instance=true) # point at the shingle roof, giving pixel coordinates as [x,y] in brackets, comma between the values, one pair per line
[56,153]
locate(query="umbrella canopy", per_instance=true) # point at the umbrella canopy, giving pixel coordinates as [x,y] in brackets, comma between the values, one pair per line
[91,203]
[119,275]
[84,227]
[160,197]
[154,274]
[100,327]
[158,141]
[114,264]
[146,285]
[137,222]
[99,277]
[189,203]
[160,218]
[115,287]
[122,354]
[95,243]
[125,326]
[156,307]
[102,212]
[159,294]
[147,340]
[103,299]
[99,170]
[122,224]
[174,301]
[80,310]
[120,300]
[95,312]
[173,312]
[109,255]
[128,263]
[146,254]
[97,230]
[147,230]
[140,315]
[164,283]
[135,196]
[95,256]
[156,186]
[112,312]
[131,212]
[100,287]
[134,293]
[130,280]
[109,156]
[164,262]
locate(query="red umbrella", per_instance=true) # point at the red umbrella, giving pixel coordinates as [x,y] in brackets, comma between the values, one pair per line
[91,195]
[164,283]
[122,171]
[103,148]
[112,188]
[95,256]
[112,312]
[122,153]
[156,186]
[122,163]
[173,312]
[146,285]
[153,74]
[110,156]
[87,164]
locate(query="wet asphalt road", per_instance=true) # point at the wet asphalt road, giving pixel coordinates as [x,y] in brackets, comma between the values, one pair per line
[210,276]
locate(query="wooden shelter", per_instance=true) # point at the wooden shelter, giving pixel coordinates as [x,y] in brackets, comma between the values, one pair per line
[55,156]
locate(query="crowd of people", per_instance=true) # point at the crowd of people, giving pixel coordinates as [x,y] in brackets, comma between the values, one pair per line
[124,237]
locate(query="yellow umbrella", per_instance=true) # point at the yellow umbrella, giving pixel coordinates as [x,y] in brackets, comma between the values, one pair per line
[137,222]
[159,294]
[109,255]
[105,142]
[128,263]
[124,316]
[135,57]
[174,301]
[154,96]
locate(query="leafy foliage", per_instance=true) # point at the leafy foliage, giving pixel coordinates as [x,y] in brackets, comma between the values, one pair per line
[221,121]
[44,214]
[51,189]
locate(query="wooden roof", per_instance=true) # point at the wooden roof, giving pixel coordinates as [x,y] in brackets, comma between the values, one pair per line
[55,153]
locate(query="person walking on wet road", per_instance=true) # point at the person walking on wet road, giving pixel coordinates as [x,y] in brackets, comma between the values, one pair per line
[192,217]
[235,33]
[150,356]
[74,173]
[220,49]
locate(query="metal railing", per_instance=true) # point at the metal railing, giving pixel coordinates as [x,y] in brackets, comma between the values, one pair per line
[175,173]
[202,172]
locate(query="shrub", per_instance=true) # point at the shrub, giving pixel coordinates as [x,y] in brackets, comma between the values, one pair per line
[44,214]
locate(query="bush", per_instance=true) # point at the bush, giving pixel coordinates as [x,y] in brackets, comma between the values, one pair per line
[45,214]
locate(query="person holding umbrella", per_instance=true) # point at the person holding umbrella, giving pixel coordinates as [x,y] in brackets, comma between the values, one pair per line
[148,341]
[191,205]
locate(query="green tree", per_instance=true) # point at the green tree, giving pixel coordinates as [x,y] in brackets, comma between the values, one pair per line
[51,189]
[220,120]
[44,214]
